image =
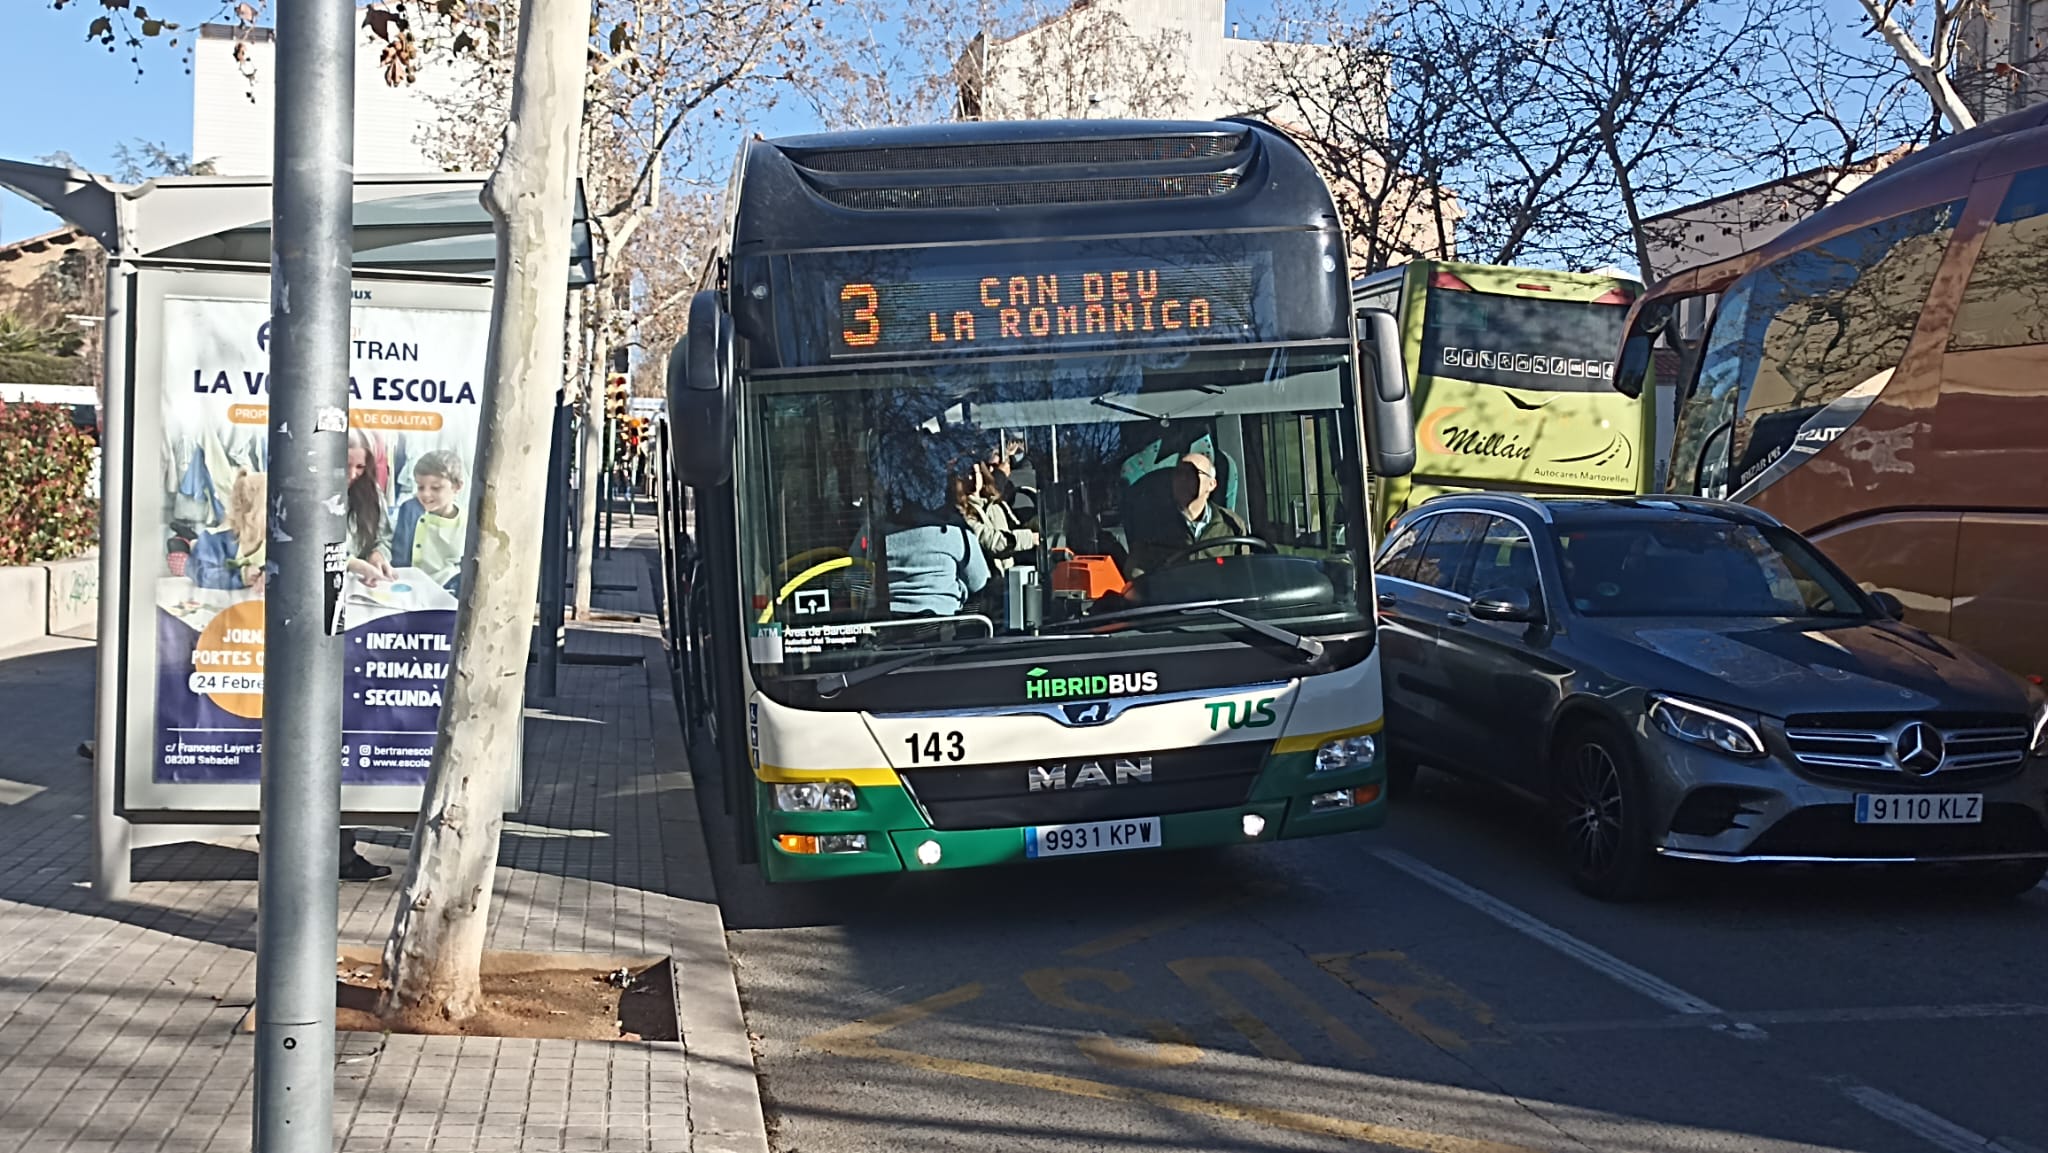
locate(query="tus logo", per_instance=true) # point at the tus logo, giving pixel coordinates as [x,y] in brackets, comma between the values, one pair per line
[1258,713]
[1040,685]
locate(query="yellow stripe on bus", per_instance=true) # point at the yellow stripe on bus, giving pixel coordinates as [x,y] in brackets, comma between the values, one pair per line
[775,774]
[1309,742]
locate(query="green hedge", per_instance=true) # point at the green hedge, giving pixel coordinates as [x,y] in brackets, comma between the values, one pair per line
[45,462]
[41,368]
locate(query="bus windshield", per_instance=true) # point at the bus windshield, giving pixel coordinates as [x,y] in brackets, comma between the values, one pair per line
[1526,342]
[1513,370]
[1017,501]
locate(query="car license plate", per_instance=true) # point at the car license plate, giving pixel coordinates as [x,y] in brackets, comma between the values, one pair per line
[1093,837]
[1919,808]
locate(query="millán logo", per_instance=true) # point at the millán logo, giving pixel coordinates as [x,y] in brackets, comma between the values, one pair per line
[1039,685]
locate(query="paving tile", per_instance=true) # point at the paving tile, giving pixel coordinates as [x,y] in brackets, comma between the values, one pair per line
[116,1031]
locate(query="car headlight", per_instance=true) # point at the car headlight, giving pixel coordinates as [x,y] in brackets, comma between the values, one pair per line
[1708,728]
[816,797]
[2039,745]
[1347,753]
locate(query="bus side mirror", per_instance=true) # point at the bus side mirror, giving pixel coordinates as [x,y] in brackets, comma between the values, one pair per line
[1632,375]
[1634,368]
[1390,421]
[701,380]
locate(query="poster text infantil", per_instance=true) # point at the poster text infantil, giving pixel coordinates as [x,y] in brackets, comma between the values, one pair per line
[413,423]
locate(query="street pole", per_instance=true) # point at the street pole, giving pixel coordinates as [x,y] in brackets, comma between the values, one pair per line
[611,434]
[312,208]
[554,576]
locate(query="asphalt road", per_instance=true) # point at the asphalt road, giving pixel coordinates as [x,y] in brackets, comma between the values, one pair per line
[1435,986]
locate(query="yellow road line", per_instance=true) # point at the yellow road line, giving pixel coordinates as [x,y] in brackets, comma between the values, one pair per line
[1152,928]
[1199,974]
[1173,1045]
[1402,1002]
[859,1040]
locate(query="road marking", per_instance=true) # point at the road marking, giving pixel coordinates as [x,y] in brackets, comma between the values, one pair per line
[1928,1126]
[15,792]
[1152,928]
[1199,974]
[1400,1002]
[1863,1015]
[1173,1046]
[860,1040]
[1641,980]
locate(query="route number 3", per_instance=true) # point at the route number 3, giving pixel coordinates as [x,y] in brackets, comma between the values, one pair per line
[936,747]
[866,313]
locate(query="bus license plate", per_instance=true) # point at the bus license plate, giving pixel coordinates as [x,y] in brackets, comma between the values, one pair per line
[1919,808]
[1093,837]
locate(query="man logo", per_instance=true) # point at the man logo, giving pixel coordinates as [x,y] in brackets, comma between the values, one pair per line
[1053,778]
[1088,713]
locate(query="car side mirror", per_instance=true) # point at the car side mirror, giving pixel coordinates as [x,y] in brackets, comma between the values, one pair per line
[1390,421]
[701,383]
[1891,606]
[1508,605]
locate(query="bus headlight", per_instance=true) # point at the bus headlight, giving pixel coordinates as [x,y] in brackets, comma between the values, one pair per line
[816,797]
[1347,753]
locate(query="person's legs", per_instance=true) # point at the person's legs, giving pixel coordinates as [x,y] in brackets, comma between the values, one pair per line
[355,866]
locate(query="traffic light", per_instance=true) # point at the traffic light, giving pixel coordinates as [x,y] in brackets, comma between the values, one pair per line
[615,396]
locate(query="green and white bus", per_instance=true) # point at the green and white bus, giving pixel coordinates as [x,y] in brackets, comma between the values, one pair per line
[1137,339]
[1512,371]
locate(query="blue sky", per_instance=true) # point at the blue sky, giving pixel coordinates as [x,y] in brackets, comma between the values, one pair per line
[64,93]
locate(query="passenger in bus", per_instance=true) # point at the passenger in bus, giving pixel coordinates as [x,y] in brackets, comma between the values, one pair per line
[930,558]
[1198,519]
[986,509]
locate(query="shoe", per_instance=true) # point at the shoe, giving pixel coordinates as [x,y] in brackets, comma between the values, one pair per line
[363,869]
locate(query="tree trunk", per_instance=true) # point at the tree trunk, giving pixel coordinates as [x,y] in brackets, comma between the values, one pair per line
[1931,77]
[437,939]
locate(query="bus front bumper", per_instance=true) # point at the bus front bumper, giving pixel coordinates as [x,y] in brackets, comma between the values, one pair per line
[921,850]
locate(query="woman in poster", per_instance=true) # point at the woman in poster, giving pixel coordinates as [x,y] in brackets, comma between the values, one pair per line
[369,525]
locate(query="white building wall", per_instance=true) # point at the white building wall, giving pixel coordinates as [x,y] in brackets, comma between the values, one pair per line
[1216,73]
[234,115]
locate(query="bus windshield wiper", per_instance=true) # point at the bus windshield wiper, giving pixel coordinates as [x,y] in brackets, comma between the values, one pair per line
[1115,616]
[832,684]
[1307,649]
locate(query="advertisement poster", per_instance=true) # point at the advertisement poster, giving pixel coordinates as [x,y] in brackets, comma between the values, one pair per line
[416,377]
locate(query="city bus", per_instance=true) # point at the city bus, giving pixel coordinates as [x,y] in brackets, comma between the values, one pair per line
[1025,464]
[1512,381]
[1877,378]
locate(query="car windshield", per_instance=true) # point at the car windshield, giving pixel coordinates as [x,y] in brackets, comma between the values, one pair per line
[1697,568]
[1009,502]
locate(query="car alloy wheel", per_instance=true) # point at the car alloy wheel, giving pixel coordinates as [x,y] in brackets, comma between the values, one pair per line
[1594,808]
[1606,840]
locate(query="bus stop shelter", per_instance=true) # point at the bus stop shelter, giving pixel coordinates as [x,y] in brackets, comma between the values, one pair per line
[424,252]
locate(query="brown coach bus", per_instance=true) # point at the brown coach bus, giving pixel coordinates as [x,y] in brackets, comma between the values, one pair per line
[1877,378]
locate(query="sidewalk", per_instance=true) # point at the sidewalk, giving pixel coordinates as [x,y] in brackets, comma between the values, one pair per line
[117,1024]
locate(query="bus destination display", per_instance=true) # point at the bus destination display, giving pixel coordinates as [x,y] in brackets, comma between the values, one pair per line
[1012,309]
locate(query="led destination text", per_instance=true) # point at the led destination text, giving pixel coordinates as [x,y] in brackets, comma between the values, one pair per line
[1045,308]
